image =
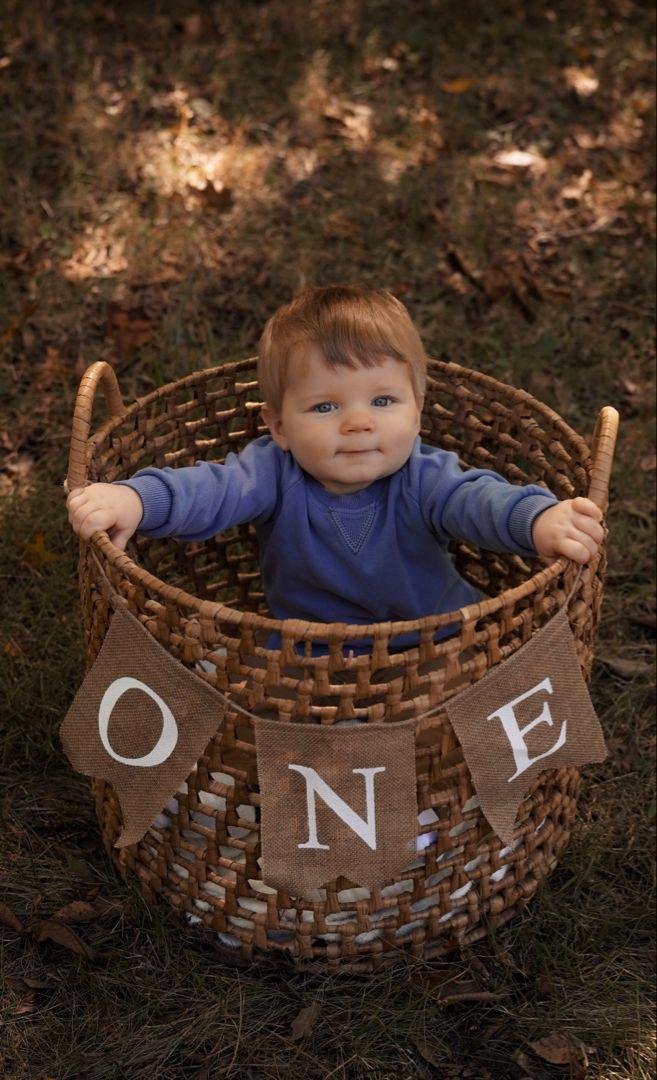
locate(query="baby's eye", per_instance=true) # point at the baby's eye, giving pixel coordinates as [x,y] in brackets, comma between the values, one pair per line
[382,400]
[324,407]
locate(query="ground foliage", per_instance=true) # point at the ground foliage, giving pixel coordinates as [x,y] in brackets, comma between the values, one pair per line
[169,173]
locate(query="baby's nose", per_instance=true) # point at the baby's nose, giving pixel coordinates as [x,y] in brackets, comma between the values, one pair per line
[358,420]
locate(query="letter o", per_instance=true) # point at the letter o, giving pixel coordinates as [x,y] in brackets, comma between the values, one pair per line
[168,739]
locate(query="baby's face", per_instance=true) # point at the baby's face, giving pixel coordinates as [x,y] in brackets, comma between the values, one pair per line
[347,427]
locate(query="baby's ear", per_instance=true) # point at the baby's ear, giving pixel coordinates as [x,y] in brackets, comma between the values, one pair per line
[275,425]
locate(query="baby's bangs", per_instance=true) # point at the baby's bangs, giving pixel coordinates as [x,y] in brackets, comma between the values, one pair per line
[360,337]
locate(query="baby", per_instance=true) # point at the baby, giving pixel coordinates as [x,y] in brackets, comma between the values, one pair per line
[353,513]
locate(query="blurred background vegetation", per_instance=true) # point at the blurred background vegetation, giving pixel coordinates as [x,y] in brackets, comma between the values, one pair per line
[170,173]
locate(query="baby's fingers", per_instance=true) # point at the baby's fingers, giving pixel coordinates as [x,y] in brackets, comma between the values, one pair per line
[589,527]
[89,519]
[577,549]
[587,507]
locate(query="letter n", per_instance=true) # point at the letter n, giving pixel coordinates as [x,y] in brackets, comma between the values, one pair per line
[365,828]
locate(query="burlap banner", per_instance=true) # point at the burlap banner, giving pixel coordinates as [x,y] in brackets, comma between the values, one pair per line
[140,720]
[532,712]
[335,801]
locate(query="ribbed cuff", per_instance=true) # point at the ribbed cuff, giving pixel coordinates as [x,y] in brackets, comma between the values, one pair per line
[156,501]
[523,516]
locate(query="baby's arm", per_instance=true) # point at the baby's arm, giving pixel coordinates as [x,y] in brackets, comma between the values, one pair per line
[572,528]
[112,508]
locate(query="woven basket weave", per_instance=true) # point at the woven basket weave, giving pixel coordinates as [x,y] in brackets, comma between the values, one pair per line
[204,603]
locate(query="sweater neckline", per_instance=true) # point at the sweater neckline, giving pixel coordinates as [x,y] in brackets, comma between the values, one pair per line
[356,501]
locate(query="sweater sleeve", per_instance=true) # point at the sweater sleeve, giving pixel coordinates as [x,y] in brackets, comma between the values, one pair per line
[199,501]
[480,506]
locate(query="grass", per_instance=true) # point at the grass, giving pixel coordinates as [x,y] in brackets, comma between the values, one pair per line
[339,150]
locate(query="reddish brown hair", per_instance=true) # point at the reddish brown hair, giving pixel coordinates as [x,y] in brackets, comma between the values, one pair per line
[351,327]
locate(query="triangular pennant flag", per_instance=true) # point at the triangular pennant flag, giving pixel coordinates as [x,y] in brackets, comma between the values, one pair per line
[140,720]
[335,801]
[531,713]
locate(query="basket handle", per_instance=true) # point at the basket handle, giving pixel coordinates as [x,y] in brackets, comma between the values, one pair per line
[602,453]
[100,372]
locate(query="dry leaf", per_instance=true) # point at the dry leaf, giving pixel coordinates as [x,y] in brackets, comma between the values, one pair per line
[583,81]
[428,1054]
[19,465]
[645,618]
[561,1048]
[456,86]
[104,907]
[54,930]
[649,463]
[627,669]
[27,1005]
[13,650]
[51,371]
[193,25]
[214,195]
[78,911]
[7,918]
[37,554]
[582,52]
[305,1021]
[465,990]
[130,328]
[520,160]
[39,984]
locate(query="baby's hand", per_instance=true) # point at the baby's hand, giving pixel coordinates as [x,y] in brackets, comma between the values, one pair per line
[111,508]
[572,528]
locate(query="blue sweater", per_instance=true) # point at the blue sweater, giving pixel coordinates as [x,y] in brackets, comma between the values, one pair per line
[375,556]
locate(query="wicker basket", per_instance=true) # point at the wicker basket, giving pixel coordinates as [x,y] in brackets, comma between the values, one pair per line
[204,603]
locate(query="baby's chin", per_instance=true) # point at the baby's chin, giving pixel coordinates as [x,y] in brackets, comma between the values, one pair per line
[357,481]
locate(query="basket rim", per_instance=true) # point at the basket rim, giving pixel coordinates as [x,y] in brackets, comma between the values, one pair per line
[294,630]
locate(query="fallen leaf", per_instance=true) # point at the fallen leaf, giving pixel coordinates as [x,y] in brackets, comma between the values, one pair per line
[468,990]
[521,1059]
[7,918]
[649,463]
[305,1020]
[37,554]
[193,25]
[511,274]
[105,908]
[19,465]
[39,984]
[456,86]
[627,669]
[26,987]
[461,265]
[448,986]
[27,1005]
[573,192]
[428,1053]
[130,328]
[520,160]
[561,1048]
[13,650]
[582,52]
[51,371]
[214,195]
[78,911]
[645,618]
[583,81]
[54,930]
